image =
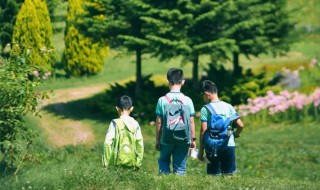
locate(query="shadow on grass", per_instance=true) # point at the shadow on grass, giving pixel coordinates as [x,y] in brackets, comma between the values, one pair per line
[80,110]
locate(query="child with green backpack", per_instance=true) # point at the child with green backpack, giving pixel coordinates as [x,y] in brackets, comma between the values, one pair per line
[123,145]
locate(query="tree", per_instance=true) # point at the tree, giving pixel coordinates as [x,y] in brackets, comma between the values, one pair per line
[119,24]
[18,80]
[8,12]
[190,29]
[81,56]
[33,29]
[258,26]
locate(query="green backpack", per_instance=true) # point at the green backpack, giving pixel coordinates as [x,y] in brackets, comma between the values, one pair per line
[124,145]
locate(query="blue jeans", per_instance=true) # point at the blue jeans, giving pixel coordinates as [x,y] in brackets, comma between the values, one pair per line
[225,163]
[179,154]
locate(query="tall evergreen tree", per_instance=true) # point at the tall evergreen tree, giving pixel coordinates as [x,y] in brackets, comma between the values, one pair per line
[119,24]
[81,56]
[258,26]
[33,30]
[8,13]
[189,28]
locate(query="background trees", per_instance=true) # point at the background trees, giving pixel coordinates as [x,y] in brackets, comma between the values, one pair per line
[121,27]
[8,12]
[190,29]
[33,30]
[257,27]
[81,56]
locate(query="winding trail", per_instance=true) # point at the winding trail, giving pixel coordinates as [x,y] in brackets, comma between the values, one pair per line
[63,131]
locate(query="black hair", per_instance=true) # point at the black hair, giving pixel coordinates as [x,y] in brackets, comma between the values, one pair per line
[175,76]
[124,102]
[209,86]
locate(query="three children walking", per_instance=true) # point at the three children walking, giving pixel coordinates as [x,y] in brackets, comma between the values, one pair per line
[175,131]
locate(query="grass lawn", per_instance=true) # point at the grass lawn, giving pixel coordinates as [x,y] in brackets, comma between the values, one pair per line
[279,156]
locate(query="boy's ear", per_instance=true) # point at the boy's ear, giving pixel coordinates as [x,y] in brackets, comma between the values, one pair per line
[182,82]
[118,109]
[131,109]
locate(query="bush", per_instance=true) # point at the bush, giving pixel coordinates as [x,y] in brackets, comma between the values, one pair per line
[237,90]
[18,79]
[144,105]
[81,56]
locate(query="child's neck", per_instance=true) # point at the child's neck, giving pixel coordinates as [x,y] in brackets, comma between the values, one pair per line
[176,87]
[125,113]
[214,98]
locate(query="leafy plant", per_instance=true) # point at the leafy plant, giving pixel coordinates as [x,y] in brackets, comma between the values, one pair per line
[18,79]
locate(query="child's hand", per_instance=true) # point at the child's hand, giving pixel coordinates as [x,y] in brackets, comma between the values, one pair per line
[157,145]
[193,144]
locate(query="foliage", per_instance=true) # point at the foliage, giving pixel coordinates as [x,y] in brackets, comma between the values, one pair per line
[237,90]
[119,24]
[33,30]
[189,29]
[8,12]
[18,79]
[81,56]
[52,5]
[144,105]
[258,27]
[285,106]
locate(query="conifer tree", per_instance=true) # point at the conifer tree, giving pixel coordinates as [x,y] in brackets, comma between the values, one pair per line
[81,56]
[33,30]
[189,29]
[121,27]
[258,26]
[8,13]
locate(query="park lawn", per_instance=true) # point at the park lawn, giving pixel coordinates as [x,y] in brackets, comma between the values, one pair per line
[274,156]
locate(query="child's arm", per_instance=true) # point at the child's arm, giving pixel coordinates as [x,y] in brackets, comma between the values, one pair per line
[201,149]
[158,132]
[107,146]
[239,124]
[193,143]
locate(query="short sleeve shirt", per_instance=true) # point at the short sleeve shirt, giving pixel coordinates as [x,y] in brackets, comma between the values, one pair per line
[222,108]
[175,96]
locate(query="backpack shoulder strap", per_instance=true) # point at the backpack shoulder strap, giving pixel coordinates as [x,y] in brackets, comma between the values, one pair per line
[119,124]
[210,108]
[168,99]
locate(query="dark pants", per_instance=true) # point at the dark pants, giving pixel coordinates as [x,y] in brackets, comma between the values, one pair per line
[224,163]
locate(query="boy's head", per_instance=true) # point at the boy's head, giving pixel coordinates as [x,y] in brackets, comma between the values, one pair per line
[209,86]
[124,103]
[175,76]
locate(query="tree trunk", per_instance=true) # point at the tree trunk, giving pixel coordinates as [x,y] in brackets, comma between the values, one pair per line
[195,71]
[237,70]
[138,73]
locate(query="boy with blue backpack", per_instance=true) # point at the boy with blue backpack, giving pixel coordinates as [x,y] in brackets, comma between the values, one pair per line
[175,128]
[123,145]
[217,134]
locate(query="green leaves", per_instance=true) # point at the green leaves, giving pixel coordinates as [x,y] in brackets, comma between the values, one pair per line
[18,97]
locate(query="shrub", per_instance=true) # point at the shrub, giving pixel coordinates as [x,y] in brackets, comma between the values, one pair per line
[81,56]
[237,90]
[18,79]
[33,30]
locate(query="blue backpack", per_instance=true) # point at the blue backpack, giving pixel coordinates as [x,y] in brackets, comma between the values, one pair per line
[216,137]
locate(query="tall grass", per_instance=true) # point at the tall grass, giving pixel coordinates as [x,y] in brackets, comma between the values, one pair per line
[268,157]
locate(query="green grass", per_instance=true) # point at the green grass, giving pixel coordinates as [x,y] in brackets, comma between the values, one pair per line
[268,157]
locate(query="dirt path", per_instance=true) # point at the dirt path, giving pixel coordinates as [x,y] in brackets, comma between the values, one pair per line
[65,131]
